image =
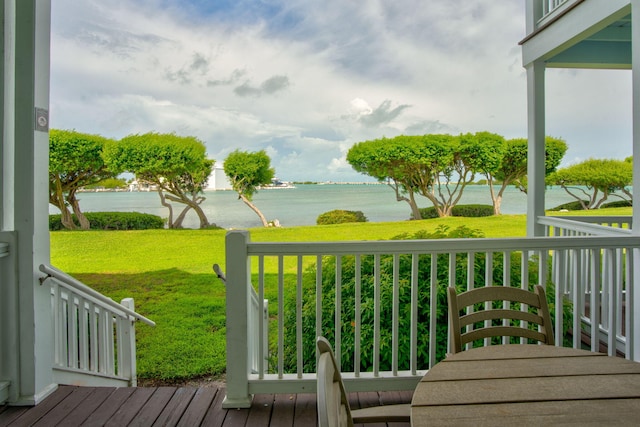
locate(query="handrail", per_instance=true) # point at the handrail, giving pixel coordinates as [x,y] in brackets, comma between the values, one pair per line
[426,246]
[583,227]
[64,278]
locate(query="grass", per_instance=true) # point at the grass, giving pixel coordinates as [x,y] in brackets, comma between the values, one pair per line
[169,275]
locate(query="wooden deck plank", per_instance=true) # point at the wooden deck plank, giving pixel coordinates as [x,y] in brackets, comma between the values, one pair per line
[199,406]
[171,414]
[31,416]
[215,415]
[108,406]
[236,417]
[156,403]
[106,410]
[66,406]
[306,410]
[130,408]
[81,412]
[10,413]
[283,414]
[261,410]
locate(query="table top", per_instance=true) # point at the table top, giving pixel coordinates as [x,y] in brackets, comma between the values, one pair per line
[528,385]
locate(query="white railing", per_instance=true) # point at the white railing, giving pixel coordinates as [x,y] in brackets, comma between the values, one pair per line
[611,313]
[548,6]
[94,336]
[586,226]
[379,293]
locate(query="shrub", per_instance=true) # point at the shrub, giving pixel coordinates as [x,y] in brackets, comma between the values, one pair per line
[339,216]
[618,204]
[113,221]
[368,277]
[570,206]
[470,211]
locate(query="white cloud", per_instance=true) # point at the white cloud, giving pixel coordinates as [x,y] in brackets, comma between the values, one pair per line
[306,79]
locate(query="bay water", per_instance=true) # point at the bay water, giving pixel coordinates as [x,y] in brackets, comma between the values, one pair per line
[301,205]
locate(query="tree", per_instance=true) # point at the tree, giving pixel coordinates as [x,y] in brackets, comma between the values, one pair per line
[247,171]
[75,161]
[390,161]
[176,165]
[436,166]
[512,169]
[595,179]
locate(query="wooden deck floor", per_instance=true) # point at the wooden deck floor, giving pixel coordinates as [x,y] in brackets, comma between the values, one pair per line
[176,406]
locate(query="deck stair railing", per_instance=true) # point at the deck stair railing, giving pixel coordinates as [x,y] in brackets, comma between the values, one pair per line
[94,336]
[579,271]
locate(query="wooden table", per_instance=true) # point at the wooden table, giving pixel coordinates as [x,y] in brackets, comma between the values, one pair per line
[528,385]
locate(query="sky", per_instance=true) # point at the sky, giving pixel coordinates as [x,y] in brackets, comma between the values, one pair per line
[306,79]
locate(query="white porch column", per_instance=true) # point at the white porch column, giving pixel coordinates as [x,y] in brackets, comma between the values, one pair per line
[635,64]
[27,338]
[536,146]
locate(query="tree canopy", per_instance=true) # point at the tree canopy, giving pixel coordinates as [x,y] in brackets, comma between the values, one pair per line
[75,161]
[176,165]
[512,168]
[436,166]
[247,171]
[592,181]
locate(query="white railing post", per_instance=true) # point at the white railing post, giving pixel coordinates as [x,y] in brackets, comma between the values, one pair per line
[127,357]
[238,282]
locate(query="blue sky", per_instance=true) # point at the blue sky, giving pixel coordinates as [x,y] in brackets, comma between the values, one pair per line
[305,80]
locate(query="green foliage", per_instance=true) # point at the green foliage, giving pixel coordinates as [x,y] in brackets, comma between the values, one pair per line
[75,161]
[109,183]
[248,170]
[114,221]
[367,270]
[177,165]
[339,216]
[594,180]
[571,206]
[440,166]
[469,211]
[617,204]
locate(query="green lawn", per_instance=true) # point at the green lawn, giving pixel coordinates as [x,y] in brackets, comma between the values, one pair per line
[169,275]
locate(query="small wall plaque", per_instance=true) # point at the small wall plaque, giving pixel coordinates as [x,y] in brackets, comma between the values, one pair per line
[42,120]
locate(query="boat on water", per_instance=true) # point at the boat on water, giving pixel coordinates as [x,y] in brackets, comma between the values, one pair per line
[277,184]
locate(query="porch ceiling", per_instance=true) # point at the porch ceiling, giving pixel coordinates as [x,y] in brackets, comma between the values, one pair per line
[607,48]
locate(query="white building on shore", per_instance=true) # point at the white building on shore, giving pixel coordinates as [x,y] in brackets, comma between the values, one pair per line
[218,179]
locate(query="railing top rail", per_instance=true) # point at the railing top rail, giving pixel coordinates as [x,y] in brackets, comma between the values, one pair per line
[440,245]
[586,226]
[72,283]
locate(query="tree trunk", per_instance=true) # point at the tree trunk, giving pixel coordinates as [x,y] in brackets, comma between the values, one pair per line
[256,210]
[194,204]
[415,212]
[164,203]
[56,198]
[75,205]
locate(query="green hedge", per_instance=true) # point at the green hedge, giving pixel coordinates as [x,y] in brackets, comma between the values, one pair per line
[113,221]
[576,206]
[339,216]
[469,211]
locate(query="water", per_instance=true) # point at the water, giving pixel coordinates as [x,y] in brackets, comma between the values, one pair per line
[301,205]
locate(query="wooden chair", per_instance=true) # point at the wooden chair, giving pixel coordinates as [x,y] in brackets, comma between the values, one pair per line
[333,405]
[542,330]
